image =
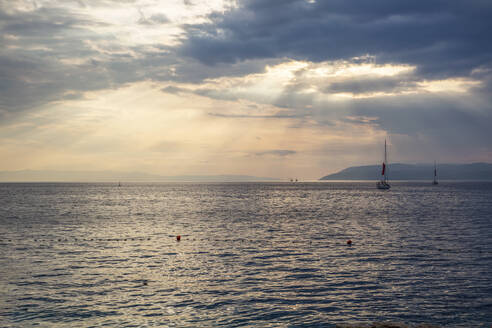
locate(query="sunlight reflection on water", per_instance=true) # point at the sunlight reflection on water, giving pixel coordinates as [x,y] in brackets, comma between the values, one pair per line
[261,254]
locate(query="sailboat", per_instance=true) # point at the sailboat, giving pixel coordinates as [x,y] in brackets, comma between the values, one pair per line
[383,183]
[435,174]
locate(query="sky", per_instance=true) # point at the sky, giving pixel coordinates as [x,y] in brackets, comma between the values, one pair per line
[284,89]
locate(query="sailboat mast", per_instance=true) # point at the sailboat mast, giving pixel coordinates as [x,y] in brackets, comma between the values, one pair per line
[383,183]
[435,172]
[385,161]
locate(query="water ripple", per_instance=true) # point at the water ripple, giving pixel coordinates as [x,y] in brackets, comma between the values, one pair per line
[268,254]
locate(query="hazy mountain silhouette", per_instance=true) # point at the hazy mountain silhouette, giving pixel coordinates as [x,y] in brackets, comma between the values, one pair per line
[475,171]
[111,176]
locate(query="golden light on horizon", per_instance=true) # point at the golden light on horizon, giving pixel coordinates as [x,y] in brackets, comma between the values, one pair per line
[242,87]
[139,127]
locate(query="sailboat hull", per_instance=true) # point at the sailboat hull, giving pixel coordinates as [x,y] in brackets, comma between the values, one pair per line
[383,185]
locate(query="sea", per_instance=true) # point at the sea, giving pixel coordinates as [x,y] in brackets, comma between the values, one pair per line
[261,254]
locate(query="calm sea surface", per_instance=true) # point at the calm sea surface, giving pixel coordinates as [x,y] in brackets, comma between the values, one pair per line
[251,254]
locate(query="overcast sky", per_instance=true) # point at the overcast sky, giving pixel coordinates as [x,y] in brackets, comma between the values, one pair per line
[279,88]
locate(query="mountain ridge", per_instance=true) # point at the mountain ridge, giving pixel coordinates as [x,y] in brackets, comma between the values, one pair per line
[400,171]
[113,176]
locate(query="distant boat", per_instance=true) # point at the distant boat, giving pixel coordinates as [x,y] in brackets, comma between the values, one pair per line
[435,174]
[383,183]
[119,184]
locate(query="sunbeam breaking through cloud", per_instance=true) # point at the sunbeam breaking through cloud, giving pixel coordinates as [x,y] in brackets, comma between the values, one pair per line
[201,87]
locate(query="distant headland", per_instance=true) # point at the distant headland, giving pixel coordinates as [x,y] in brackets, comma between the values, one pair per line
[113,176]
[474,171]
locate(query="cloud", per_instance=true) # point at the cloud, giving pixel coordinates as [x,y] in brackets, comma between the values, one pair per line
[276,152]
[448,114]
[452,121]
[439,37]
[55,50]
[33,60]
[275,116]
[418,73]
[368,85]
[174,90]
[155,19]
[51,53]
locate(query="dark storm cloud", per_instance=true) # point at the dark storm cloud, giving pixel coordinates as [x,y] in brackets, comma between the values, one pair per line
[51,54]
[27,82]
[39,48]
[454,127]
[30,67]
[370,85]
[43,24]
[448,123]
[193,71]
[440,37]
[452,119]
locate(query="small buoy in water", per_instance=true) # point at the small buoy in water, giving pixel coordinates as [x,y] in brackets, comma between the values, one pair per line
[178,237]
[349,242]
[145,282]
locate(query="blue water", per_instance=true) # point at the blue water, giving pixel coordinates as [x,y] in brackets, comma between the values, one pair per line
[251,254]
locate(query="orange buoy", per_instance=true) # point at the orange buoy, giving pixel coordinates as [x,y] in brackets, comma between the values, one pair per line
[178,237]
[349,242]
